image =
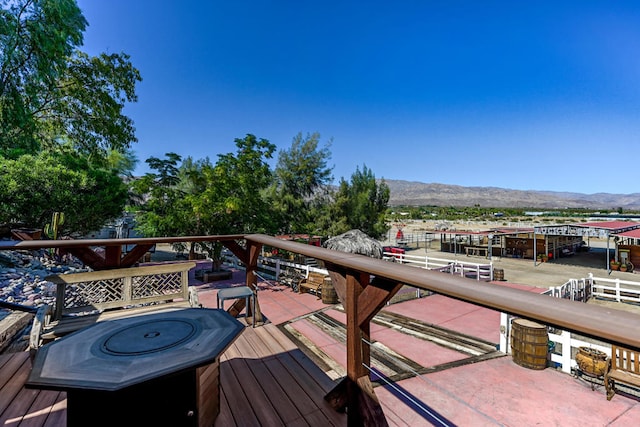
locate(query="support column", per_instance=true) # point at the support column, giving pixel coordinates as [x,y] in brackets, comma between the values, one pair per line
[362,299]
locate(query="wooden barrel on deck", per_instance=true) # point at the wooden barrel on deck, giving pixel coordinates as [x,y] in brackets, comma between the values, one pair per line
[498,274]
[329,294]
[529,344]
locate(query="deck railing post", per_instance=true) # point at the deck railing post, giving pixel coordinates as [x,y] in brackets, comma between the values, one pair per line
[354,349]
[112,255]
[354,333]
[251,280]
[365,329]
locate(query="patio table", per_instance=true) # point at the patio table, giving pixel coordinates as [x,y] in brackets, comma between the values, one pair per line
[153,369]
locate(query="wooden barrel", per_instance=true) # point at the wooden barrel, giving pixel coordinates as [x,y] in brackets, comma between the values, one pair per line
[498,274]
[329,295]
[529,344]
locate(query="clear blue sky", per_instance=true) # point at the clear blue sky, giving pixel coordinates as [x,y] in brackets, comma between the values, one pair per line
[540,95]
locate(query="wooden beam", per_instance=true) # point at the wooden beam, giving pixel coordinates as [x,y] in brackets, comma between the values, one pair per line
[112,256]
[367,412]
[370,411]
[253,250]
[355,369]
[338,280]
[88,256]
[354,335]
[134,255]
[250,256]
[237,307]
[237,250]
[337,397]
[365,327]
[374,297]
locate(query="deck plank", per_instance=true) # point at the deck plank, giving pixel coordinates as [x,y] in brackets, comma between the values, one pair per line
[265,380]
[291,389]
[256,395]
[27,407]
[224,417]
[41,409]
[58,415]
[242,412]
[256,356]
[16,373]
[12,363]
[310,377]
[19,407]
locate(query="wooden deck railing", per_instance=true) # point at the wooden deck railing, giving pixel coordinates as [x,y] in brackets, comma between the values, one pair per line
[364,285]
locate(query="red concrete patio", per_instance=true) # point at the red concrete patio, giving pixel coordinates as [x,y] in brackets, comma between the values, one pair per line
[490,392]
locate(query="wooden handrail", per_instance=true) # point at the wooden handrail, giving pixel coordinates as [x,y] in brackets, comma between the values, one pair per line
[82,243]
[615,326]
[112,256]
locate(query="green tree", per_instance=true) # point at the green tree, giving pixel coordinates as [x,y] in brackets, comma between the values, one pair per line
[35,186]
[234,199]
[50,92]
[360,204]
[198,198]
[301,175]
[165,210]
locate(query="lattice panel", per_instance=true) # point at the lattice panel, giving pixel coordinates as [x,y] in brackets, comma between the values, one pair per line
[94,292]
[157,284]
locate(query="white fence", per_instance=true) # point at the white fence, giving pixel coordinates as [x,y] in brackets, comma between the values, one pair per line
[460,268]
[574,289]
[274,266]
[616,290]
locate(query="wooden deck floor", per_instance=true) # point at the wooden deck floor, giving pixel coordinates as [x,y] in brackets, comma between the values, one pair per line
[265,380]
[27,407]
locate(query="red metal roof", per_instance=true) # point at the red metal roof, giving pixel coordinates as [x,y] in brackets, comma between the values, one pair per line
[634,234]
[609,225]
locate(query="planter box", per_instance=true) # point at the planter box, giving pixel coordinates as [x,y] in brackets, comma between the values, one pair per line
[212,276]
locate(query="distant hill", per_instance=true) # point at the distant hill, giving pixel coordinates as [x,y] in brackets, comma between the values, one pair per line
[422,194]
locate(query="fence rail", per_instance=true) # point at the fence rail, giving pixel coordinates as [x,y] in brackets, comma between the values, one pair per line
[616,290]
[453,267]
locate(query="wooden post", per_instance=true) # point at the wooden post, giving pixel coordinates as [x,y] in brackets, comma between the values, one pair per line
[253,251]
[362,299]
[365,329]
[355,369]
[354,333]
[112,255]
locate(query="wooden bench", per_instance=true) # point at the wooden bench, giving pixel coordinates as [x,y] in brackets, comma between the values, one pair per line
[623,367]
[85,298]
[313,282]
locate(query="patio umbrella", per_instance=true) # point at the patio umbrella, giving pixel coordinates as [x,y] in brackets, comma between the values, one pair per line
[355,242]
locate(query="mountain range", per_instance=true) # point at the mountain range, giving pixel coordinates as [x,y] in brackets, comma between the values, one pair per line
[412,193]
